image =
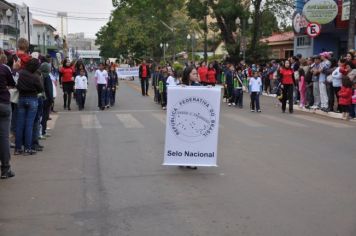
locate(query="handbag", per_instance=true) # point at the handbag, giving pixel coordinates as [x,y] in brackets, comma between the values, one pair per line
[14,95]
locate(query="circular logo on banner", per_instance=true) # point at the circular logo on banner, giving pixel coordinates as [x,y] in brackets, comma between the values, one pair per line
[192,119]
[313,30]
[320,11]
[299,23]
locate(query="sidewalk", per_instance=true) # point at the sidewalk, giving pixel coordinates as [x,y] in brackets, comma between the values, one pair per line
[333,115]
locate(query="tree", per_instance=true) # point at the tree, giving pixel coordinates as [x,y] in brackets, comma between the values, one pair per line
[351,34]
[135,28]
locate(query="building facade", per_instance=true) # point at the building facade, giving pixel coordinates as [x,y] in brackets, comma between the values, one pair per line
[334,34]
[43,37]
[280,45]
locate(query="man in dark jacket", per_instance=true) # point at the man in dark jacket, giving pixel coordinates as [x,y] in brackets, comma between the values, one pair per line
[144,75]
[45,69]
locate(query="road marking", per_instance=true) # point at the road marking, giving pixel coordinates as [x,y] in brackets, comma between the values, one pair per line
[129,121]
[161,117]
[90,122]
[324,122]
[283,121]
[52,123]
[243,120]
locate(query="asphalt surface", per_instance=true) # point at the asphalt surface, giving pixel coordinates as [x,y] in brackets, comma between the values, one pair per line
[101,174]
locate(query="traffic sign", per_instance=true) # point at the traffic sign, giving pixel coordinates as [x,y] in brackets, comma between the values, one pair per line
[313,30]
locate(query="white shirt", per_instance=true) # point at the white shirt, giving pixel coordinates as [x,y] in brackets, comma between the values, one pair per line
[255,84]
[171,81]
[81,82]
[101,76]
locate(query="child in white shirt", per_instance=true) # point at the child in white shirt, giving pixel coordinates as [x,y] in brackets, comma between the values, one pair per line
[81,86]
[255,88]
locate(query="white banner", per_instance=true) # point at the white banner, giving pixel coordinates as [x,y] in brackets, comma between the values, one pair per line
[192,126]
[127,72]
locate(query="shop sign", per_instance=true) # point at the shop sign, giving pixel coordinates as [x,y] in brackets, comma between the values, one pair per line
[320,11]
[345,15]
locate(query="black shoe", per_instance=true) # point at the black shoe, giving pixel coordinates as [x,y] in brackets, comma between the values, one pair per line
[69,109]
[29,152]
[192,167]
[7,174]
[291,112]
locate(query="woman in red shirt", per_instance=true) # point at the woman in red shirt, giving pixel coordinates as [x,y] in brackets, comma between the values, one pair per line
[287,79]
[211,75]
[66,74]
[203,73]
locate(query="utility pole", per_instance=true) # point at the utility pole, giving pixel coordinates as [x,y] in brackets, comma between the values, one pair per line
[351,35]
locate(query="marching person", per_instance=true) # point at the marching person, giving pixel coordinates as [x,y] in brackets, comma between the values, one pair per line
[101,79]
[203,73]
[113,83]
[288,81]
[66,79]
[144,75]
[255,88]
[81,86]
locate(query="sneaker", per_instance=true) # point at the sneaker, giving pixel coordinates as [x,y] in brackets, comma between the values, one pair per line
[259,111]
[229,104]
[42,137]
[234,104]
[7,174]
[164,108]
[252,110]
[47,135]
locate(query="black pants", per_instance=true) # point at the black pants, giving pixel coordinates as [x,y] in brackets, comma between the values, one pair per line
[68,88]
[164,98]
[45,115]
[238,97]
[334,92]
[5,119]
[144,86]
[287,95]
[230,93]
[101,88]
[81,96]
[267,86]
[255,101]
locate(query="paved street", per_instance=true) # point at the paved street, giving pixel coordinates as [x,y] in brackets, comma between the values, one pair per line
[101,174]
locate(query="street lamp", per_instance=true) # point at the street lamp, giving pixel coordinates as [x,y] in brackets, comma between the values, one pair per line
[164,46]
[205,2]
[238,22]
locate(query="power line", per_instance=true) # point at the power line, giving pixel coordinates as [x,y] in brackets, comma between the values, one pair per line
[72,17]
[54,11]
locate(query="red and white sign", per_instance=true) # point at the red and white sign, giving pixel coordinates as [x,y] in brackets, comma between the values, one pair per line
[313,30]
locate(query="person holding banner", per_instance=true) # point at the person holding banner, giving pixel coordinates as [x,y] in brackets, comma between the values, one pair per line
[144,75]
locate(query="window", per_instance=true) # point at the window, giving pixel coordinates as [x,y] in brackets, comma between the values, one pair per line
[288,53]
[303,41]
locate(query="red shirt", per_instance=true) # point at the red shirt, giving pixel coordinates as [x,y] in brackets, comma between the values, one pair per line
[67,74]
[211,76]
[287,76]
[345,96]
[203,72]
[24,57]
[144,71]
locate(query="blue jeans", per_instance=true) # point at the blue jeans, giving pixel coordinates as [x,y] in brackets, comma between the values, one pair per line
[238,97]
[36,131]
[81,96]
[26,114]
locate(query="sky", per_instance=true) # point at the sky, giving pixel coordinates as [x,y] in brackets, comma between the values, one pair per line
[45,10]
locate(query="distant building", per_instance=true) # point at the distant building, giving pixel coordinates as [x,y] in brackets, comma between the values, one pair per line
[280,44]
[78,41]
[43,37]
[8,25]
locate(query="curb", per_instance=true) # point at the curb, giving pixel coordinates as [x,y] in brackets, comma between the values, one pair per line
[333,115]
